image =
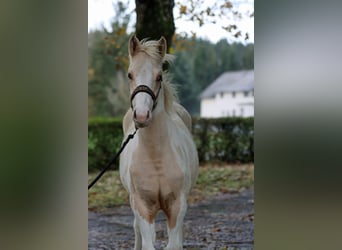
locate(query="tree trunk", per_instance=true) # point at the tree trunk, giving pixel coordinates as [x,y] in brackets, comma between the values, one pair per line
[155,19]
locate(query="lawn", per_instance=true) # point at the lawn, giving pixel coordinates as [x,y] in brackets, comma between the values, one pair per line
[212,180]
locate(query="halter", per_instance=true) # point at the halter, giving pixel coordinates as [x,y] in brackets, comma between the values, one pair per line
[146,89]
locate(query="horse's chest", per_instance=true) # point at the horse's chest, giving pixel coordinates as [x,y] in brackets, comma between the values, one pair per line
[154,172]
[156,179]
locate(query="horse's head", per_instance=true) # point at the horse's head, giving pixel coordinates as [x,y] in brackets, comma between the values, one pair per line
[145,77]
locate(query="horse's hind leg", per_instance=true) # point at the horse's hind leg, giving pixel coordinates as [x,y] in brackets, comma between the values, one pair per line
[175,216]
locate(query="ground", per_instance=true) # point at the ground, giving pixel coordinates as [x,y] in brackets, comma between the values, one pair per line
[224,222]
[223,219]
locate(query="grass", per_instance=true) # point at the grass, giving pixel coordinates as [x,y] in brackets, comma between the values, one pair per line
[217,179]
[212,181]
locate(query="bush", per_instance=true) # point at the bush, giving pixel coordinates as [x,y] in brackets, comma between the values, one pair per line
[229,140]
[104,140]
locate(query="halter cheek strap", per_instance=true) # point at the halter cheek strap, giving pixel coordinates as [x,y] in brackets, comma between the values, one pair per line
[146,89]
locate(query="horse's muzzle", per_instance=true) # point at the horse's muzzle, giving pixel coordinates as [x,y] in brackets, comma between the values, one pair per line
[141,118]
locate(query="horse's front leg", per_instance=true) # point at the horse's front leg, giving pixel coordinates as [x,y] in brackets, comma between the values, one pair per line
[137,244]
[144,229]
[175,223]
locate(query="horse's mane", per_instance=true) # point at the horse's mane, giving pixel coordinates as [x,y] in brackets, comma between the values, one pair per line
[170,94]
[151,48]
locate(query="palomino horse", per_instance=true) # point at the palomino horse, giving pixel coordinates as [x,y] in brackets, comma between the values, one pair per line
[160,165]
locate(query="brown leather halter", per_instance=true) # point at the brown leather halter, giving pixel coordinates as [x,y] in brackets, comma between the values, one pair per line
[146,89]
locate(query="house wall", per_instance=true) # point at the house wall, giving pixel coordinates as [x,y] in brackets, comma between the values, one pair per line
[226,104]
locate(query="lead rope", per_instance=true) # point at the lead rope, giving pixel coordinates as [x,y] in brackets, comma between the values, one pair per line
[130,136]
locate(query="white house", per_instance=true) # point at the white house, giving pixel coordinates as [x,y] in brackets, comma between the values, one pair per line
[231,94]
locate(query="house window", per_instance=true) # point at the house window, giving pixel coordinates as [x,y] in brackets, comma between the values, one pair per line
[245,93]
[241,110]
[233,93]
[233,112]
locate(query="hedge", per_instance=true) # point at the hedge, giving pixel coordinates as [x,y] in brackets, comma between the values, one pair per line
[229,140]
[104,139]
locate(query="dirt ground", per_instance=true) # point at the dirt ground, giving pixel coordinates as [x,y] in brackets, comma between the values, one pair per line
[223,222]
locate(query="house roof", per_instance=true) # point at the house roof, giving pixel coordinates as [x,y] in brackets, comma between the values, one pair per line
[230,81]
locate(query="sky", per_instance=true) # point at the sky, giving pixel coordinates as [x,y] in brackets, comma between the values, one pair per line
[100,12]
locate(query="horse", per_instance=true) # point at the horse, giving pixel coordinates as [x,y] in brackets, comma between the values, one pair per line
[160,165]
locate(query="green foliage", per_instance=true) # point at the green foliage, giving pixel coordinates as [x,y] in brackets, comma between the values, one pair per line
[108,57]
[228,140]
[104,140]
[183,77]
[248,57]
[226,58]
[205,64]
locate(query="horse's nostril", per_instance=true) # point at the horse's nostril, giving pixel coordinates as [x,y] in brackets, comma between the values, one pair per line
[148,114]
[135,114]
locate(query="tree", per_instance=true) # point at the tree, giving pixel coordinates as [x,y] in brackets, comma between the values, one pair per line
[203,12]
[182,75]
[107,58]
[155,19]
[225,55]
[248,57]
[205,64]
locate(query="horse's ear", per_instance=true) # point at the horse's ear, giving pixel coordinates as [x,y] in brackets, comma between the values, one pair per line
[133,45]
[162,46]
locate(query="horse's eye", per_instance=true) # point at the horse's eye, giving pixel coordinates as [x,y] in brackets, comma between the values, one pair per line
[130,76]
[159,78]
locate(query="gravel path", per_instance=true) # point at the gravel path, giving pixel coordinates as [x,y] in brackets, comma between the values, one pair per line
[224,222]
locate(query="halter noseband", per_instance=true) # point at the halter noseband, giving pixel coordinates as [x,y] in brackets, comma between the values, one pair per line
[146,89]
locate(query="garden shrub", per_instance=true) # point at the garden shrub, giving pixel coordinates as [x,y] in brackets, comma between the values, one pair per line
[229,140]
[104,140]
